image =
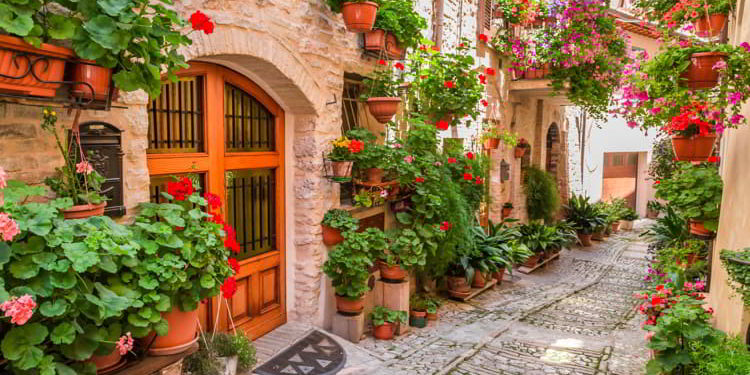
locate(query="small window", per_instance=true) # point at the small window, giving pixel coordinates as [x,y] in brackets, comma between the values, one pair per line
[251,209]
[248,125]
[351,107]
[175,118]
[618,160]
[606,160]
[484,17]
[633,159]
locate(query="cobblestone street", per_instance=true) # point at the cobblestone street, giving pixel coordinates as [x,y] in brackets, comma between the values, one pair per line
[576,316]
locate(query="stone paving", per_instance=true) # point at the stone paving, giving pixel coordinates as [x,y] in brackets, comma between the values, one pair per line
[574,316]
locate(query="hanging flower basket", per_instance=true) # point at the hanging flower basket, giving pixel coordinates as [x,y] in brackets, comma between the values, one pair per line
[83,211]
[342,170]
[383,108]
[379,40]
[710,26]
[695,148]
[47,67]
[98,77]
[700,73]
[697,228]
[331,236]
[492,143]
[359,17]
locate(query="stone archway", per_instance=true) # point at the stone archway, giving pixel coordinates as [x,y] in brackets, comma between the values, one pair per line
[552,149]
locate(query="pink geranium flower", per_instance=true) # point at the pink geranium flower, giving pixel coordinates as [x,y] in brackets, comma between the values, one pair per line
[8,227]
[19,309]
[3,178]
[84,167]
[125,344]
[409,159]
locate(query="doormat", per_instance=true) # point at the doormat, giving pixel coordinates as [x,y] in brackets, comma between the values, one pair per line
[316,354]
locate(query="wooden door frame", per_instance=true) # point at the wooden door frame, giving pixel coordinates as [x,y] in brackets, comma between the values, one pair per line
[216,160]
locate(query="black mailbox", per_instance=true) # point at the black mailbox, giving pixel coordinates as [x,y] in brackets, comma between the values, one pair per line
[102,143]
[504,171]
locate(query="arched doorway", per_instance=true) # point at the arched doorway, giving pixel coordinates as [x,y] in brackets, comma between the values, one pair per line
[553,149]
[223,129]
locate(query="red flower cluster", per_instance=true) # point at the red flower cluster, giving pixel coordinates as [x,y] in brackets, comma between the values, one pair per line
[446,226]
[230,241]
[213,200]
[180,189]
[490,71]
[235,265]
[419,180]
[356,146]
[201,22]
[229,288]
[449,84]
[216,218]
[470,155]
[468,176]
[689,120]
[483,79]
[662,298]
[451,160]
[381,62]
[478,180]
[484,102]
[443,125]
[483,38]
[399,66]
[714,159]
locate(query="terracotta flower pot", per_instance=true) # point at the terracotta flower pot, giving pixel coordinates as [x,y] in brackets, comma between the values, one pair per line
[107,363]
[392,273]
[83,211]
[350,306]
[418,318]
[597,236]
[537,73]
[183,332]
[432,317]
[384,332]
[585,239]
[383,108]
[379,40]
[695,148]
[374,175]
[458,286]
[342,169]
[697,228]
[626,225]
[393,48]
[359,17]
[519,151]
[691,259]
[331,236]
[699,74]
[499,275]
[615,227]
[14,63]
[98,77]
[479,280]
[710,26]
[651,214]
[532,260]
[506,212]
[492,143]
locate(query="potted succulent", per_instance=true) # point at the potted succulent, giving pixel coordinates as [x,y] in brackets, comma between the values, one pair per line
[76,179]
[336,221]
[342,155]
[359,15]
[381,91]
[520,149]
[737,264]
[405,251]
[190,223]
[507,209]
[585,217]
[385,322]
[397,27]
[348,267]
[695,191]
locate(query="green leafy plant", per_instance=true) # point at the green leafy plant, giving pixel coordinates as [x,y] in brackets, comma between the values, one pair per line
[679,254]
[345,149]
[674,13]
[540,238]
[399,18]
[380,315]
[663,163]
[629,215]
[583,215]
[727,357]
[695,192]
[341,220]
[424,302]
[508,137]
[405,249]
[374,154]
[335,5]
[349,262]
[542,196]
[383,83]
[737,264]
[235,344]
[508,205]
[669,230]
[655,206]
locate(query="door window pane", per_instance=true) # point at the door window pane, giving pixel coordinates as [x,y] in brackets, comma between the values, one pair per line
[175,118]
[251,209]
[249,126]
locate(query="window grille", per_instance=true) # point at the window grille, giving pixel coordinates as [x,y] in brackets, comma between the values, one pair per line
[251,209]
[175,118]
[248,125]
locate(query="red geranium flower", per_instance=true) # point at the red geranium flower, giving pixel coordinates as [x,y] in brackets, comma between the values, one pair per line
[419,179]
[478,180]
[423,48]
[201,22]
[235,265]
[657,182]
[435,48]
[213,200]
[483,79]
[490,71]
[483,38]
[229,287]
[381,62]
[445,226]
[470,155]
[230,241]
[356,146]
[180,189]
[449,84]
[399,66]
[451,160]
[216,218]
[714,159]
[443,125]
[468,177]
[484,102]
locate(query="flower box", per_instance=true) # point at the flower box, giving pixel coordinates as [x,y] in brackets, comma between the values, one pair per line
[700,74]
[27,70]
[695,148]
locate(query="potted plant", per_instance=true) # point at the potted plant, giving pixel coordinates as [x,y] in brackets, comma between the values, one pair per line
[77,179]
[737,265]
[418,305]
[222,354]
[653,208]
[359,15]
[708,17]
[348,267]
[373,159]
[507,209]
[385,321]
[538,238]
[627,219]
[342,155]
[695,191]
[684,254]
[381,92]
[585,217]
[405,251]
[491,137]
[520,149]
[191,224]
[397,27]
[336,221]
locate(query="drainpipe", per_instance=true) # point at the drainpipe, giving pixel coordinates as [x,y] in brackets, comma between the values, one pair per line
[438,9]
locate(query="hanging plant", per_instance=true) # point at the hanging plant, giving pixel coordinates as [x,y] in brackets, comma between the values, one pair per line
[381,91]
[695,191]
[708,17]
[737,264]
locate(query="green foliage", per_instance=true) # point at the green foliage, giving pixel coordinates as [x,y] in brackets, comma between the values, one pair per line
[663,164]
[382,83]
[373,155]
[678,255]
[669,230]
[739,272]
[583,215]
[424,302]
[204,361]
[508,137]
[655,206]
[405,248]
[349,262]
[399,18]
[237,344]
[655,10]
[728,357]
[341,220]
[695,192]
[540,238]
[542,196]
[335,5]
[380,315]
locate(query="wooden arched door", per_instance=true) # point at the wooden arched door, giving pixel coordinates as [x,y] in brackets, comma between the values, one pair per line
[219,127]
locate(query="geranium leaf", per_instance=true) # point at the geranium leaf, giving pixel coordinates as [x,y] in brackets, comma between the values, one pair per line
[64,333]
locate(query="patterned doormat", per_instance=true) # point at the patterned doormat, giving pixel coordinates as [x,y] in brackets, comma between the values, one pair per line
[316,354]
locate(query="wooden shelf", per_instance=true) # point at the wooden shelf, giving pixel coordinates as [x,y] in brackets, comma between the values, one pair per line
[476,291]
[527,270]
[152,364]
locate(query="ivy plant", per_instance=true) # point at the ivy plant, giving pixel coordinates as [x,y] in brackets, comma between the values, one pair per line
[695,191]
[737,264]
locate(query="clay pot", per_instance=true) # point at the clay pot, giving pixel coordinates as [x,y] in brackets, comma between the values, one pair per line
[626,225]
[532,261]
[384,332]
[374,175]
[479,280]
[537,73]
[350,306]
[14,63]
[359,17]
[697,228]
[499,275]
[615,227]
[585,239]
[331,236]
[393,48]
[383,108]
[506,212]
[492,143]
[458,286]
[98,77]
[83,211]
[651,214]
[710,26]
[432,317]
[342,169]
[597,236]
[695,148]
[391,273]
[379,40]
[106,363]
[418,319]
[183,332]
[699,74]
[519,151]
[691,259]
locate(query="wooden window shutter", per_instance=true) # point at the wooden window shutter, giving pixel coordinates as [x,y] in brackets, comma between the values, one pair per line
[484,21]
